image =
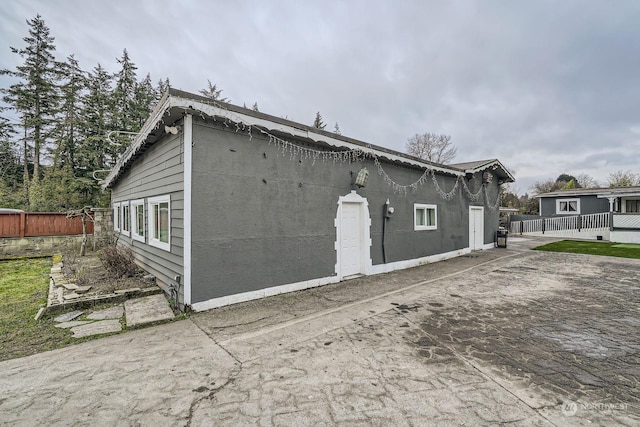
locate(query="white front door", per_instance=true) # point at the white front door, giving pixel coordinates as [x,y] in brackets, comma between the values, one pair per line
[476,227]
[351,244]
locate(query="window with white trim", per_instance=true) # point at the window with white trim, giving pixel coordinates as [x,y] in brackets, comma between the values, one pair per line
[159,222]
[125,224]
[567,206]
[116,216]
[137,220]
[425,217]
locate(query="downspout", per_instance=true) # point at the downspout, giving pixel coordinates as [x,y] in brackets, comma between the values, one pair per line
[385,217]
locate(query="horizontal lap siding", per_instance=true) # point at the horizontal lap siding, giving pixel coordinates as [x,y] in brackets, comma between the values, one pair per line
[159,171]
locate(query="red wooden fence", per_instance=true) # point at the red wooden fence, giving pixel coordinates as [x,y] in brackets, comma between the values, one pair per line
[30,224]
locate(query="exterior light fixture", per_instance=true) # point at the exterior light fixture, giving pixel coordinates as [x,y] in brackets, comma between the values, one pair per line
[487,177]
[362,177]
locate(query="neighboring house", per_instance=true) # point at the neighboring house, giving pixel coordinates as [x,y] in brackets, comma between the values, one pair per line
[585,201]
[228,204]
[603,213]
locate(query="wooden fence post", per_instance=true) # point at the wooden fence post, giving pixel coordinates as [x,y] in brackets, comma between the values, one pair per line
[23,224]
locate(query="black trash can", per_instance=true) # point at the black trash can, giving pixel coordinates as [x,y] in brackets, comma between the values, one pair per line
[501,237]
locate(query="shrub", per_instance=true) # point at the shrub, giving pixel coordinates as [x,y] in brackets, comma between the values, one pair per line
[118,260]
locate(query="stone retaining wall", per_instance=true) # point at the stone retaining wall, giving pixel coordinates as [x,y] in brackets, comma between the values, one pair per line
[40,246]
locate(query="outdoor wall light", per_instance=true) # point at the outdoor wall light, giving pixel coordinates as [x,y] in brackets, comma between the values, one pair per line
[362,178]
[487,177]
[389,210]
[173,130]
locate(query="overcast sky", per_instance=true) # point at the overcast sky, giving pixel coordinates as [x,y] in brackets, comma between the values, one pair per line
[547,87]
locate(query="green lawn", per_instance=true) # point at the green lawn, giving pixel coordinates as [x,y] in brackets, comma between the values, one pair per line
[622,250]
[24,284]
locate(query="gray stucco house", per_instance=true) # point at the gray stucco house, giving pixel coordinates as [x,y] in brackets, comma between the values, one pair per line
[228,204]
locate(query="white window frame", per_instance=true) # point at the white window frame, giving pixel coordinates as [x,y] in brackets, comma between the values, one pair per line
[116,216]
[153,239]
[567,212]
[125,223]
[424,207]
[135,204]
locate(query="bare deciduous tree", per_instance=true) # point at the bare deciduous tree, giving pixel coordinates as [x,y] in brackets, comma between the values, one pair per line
[587,181]
[623,179]
[432,147]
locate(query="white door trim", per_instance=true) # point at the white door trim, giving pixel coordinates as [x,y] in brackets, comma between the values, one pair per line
[473,244]
[365,236]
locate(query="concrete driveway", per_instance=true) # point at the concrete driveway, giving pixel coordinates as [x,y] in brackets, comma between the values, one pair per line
[501,336]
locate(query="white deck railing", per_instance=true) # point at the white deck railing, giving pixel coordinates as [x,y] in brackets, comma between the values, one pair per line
[587,226]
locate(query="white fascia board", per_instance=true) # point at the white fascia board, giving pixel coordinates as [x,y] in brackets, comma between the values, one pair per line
[187,104]
[213,111]
[495,162]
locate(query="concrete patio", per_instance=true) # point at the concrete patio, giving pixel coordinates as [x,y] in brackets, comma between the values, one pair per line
[500,336]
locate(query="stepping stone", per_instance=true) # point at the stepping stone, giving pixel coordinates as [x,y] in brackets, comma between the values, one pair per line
[69,316]
[97,328]
[72,295]
[141,311]
[108,313]
[69,286]
[72,324]
[55,270]
[81,289]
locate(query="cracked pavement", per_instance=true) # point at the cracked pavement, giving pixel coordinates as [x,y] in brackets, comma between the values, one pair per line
[494,337]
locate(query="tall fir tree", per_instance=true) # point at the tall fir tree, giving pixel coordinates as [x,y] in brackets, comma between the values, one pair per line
[124,96]
[35,96]
[318,123]
[69,125]
[336,129]
[145,96]
[213,93]
[97,120]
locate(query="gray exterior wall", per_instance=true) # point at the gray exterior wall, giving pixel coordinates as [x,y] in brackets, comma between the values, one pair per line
[588,205]
[160,171]
[262,219]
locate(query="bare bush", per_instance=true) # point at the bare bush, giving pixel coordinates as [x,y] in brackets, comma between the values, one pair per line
[118,261]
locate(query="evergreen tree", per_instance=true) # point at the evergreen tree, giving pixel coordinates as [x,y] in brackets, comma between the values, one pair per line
[124,96]
[9,161]
[35,95]
[163,86]
[145,96]
[69,126]
[212,92]
[97,119]
[336,129]
[255,107]
[318,123]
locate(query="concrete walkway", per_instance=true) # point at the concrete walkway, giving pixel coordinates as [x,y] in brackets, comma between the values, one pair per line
[133,313]
[501,336]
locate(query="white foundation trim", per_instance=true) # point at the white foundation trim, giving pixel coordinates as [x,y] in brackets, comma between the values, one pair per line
[262,293]
[299,286]
[488,246]
[410,263]
[188,157]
